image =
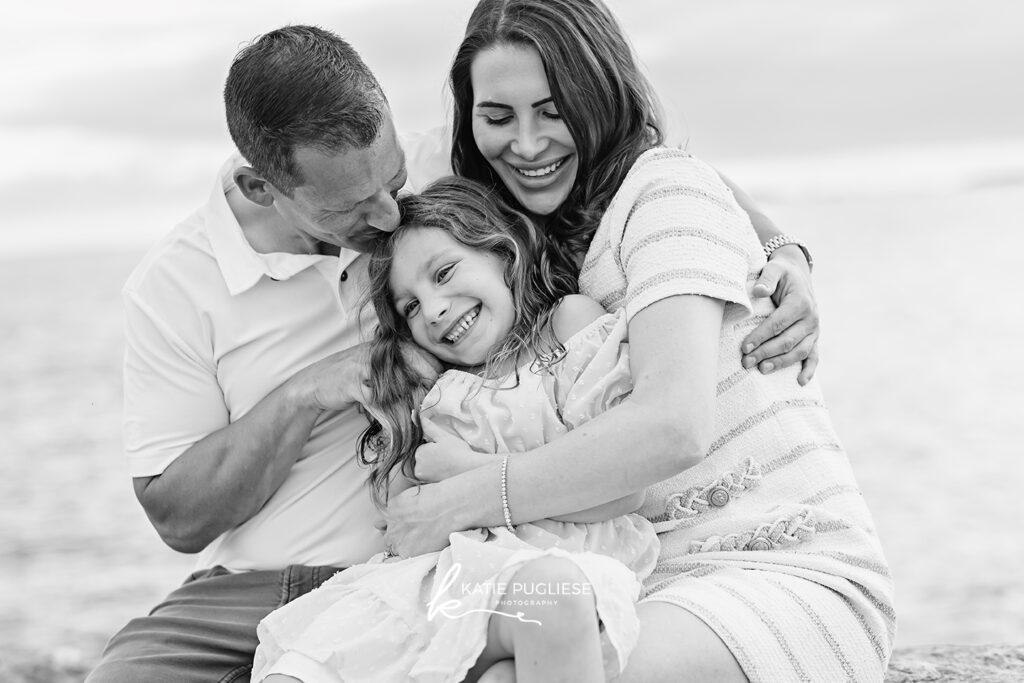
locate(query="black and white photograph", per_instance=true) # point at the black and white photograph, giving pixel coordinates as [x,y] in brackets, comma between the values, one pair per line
[511,341]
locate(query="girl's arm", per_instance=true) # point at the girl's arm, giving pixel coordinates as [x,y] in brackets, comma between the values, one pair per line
[631,502]
[664,428]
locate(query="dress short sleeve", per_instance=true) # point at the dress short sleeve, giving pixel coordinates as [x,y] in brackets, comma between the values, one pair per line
[678,230]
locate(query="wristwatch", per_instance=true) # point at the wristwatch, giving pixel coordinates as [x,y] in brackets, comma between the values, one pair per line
[782,240]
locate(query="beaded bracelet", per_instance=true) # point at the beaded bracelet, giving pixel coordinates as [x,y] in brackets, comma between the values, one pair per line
[782,240]
[504,495]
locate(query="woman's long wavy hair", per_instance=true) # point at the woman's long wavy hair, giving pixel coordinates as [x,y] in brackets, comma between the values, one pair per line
[607,104]
[476,217]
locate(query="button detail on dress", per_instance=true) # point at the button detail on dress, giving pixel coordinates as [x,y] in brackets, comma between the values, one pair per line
[344,275]
[715,494]
[719,496]
[760,543]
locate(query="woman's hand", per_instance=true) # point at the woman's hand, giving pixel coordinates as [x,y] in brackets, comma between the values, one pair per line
[790,334]
[445,456]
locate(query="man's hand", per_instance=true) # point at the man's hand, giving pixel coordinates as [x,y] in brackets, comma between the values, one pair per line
[337,381]
[423,363]
[445,456]
[342,379]
[790,334]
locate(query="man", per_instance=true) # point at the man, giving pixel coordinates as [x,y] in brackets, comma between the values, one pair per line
[243,368]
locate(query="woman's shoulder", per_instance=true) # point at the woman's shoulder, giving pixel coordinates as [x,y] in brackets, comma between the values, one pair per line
[661,165]
[658,180]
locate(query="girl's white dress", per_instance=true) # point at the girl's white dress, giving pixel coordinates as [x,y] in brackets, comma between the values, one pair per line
[425,618]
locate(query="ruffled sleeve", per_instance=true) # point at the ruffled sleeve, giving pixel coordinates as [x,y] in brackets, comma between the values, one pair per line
[594,374]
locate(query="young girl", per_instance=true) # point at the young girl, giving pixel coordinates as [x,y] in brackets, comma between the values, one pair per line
[473,282]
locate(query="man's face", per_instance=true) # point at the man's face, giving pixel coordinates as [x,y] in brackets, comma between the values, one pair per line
[348,196]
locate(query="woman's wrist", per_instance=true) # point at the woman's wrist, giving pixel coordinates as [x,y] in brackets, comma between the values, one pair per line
[473,498]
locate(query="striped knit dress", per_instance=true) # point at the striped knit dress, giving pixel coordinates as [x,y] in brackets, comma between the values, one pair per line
[768,540]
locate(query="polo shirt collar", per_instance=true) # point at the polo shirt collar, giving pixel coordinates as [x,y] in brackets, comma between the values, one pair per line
[240,264]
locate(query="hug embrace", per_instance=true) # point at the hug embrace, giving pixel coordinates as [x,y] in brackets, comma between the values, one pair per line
[549,418]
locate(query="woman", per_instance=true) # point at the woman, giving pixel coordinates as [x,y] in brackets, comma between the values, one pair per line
[770,568]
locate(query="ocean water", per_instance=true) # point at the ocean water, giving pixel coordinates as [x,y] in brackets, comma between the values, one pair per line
[888,135]
[111,125]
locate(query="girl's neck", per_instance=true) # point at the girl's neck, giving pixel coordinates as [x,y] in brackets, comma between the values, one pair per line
[482,370]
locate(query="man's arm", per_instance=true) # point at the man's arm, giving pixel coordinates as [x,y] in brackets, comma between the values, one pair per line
[790,334]
[226,478]
[199,470]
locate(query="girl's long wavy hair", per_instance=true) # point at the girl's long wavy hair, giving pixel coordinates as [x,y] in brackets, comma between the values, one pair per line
[607,104]
[476,217]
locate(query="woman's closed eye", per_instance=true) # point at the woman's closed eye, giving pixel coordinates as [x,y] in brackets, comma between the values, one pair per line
[496,120]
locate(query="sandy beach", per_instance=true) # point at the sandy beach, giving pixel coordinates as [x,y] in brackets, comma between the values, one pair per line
[898,157]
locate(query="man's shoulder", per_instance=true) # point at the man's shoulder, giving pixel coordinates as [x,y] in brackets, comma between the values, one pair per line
[185,251]
[187,247]
[428,156]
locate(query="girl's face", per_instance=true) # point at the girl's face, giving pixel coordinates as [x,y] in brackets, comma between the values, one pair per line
[518,130]
[453,297]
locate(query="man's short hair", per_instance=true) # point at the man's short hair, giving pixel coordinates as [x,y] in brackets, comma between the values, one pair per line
[299,86]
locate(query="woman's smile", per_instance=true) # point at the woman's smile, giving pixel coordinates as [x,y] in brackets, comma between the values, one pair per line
[538,172]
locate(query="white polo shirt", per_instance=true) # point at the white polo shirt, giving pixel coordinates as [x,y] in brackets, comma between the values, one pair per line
[212,327]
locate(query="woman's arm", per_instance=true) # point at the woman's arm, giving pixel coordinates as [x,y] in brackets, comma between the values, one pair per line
[664,428]
[575,312]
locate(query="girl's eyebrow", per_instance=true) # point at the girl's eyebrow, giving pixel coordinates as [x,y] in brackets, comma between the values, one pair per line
[422,271]
[499,105]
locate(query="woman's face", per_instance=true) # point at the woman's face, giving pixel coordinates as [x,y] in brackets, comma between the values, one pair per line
[519,131]
[454,298]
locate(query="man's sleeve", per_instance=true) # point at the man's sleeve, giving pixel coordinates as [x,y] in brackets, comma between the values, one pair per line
[428,156]
[171,395]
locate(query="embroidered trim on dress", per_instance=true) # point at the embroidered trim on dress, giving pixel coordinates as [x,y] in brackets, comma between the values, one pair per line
[780,533]
[718,493]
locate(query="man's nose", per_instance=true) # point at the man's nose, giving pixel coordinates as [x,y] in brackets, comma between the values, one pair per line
[383,214]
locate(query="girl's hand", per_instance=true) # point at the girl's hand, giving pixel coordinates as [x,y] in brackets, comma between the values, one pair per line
[790,334]
[418,521]
[445,457]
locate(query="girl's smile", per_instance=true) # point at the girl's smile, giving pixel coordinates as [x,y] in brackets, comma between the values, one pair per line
[461,326]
